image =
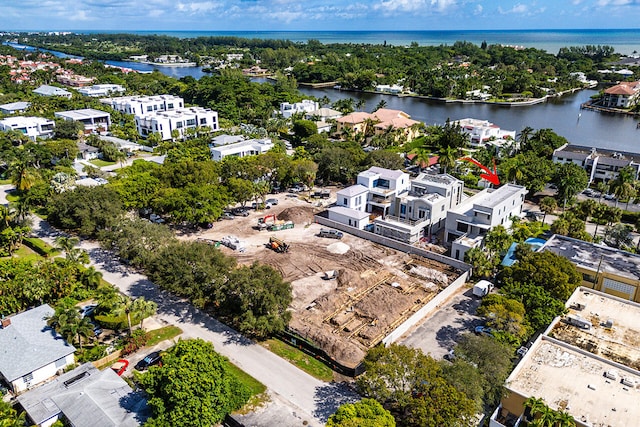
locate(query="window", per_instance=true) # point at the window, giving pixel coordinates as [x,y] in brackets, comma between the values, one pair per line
[421,214]
[155,108]
[149,108]
[178,125]
[203,121]
[169,106]
[191,122]
[442,208]
[344,202]
[27,378]
[462,227]
[588,278]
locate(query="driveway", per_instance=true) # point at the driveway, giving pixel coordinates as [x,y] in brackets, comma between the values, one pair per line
[439,333]
[311,400]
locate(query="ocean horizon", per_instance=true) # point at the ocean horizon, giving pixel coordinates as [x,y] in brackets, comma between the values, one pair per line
[625,41]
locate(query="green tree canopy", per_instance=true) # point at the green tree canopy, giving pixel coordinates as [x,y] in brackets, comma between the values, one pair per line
[193,387]
[365,413]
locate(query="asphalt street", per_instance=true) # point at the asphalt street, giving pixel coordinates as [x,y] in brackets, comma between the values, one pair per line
[308,399]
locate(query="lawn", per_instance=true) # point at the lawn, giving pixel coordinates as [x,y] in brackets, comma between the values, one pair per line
[300,359]
[5,181]
[100,163]
[159,335]
[258,395]
[24,253]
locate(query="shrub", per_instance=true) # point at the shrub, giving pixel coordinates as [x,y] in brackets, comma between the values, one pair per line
[137,340]
[38,246]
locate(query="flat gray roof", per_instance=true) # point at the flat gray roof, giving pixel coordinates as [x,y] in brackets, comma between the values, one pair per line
[351,213]
[20,105]
[87,397]
[494,197]
[595,257]
[85,113]
[51,90]
[28,344]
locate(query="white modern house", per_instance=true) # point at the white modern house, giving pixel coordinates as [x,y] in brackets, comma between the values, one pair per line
[483,132]
[14,107]
[353,197]
[101,90]
[85,396]
[384,186]
[33,127]
[165,122]
[305,106]
[94,121]
[144,105]
[30,351]
[46,90]
[422,211]
[467,223]
[241,148]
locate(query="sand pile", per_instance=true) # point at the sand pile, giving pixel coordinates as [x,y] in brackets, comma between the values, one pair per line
[338,248]
[298,214]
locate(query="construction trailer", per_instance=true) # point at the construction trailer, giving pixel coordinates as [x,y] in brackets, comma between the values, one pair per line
[278,245]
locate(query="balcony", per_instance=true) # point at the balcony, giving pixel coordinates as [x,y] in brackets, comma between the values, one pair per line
[379,200]
[406,221]
[503,418]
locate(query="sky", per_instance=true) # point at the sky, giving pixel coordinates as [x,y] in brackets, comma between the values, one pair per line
[315,15]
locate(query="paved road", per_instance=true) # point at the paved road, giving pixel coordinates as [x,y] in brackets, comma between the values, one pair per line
[311,400]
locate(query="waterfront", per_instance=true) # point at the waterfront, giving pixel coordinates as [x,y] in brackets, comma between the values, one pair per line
[563,115]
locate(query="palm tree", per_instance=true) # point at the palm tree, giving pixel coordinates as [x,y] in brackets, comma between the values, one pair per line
[523,137]
[125,306]
[447,157]
[603,188]
[324,100]
[144,308]
[382,104]
[360,104]
[72,253]
[599,216]
[421,158]
[563,419]
[548,205]
[91,277]
[23,177]
[535,405]
[66,320]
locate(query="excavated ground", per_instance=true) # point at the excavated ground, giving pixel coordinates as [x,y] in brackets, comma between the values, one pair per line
[376,288]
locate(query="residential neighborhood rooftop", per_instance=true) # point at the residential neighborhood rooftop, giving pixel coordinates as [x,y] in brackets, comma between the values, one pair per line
[87,397]
[592,373]
[353,190]
[85,113]
[353,213]
[597,258]
[384,173]
[20,105]
[496,196]
[51,91]
[27,343]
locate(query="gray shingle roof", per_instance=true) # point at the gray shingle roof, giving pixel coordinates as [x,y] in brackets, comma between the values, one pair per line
[51,91]
[27,344]
[87,397]
[352,191]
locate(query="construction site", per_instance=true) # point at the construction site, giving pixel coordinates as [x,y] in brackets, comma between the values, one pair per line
[348,293]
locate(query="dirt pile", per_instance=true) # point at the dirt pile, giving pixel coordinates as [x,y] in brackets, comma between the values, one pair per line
[300,215]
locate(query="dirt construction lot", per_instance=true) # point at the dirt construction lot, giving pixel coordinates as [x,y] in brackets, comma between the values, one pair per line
[376,289]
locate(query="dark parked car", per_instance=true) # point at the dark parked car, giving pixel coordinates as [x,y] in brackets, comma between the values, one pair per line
[240,212]
[149,360]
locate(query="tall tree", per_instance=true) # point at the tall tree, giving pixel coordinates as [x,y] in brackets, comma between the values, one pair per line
[66,320]
[548,205]
[366,412]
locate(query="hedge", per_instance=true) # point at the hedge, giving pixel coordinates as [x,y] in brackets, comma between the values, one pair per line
[116,323]
[38,246]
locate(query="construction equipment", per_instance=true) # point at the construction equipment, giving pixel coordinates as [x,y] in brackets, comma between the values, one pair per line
[281,225]
[278,245]
[264,223]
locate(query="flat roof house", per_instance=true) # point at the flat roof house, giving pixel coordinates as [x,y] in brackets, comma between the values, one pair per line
[249,147]
[305,106]
[30,351]
[144,105]
[605,269]
[482,133]
[584,364]
[14,107]
[85,396]
[468,222]
[101,90]
[600,164]
[33,127]
[165,122]
[94,121]
[46,90]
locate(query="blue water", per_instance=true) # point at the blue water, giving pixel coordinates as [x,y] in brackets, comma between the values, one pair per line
[625,41]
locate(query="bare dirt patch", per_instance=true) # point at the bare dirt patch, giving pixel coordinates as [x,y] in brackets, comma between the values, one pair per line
[376,288]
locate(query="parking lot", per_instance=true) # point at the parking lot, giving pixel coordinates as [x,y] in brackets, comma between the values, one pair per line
[439,332]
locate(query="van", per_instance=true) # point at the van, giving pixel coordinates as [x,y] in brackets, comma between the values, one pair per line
[331,234]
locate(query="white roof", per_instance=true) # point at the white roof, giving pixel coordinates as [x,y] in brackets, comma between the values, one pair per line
[51,91]
[15,106]
[384,173]
[85,113]
[20,121]
[352,191]
[348,212]
[28,344]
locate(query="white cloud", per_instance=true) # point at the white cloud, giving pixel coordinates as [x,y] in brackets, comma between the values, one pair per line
[198,7]
[604,3]
[478,10]
[80,15]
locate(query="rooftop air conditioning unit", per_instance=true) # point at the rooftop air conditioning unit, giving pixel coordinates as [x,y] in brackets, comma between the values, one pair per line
[629,382]
[612,374]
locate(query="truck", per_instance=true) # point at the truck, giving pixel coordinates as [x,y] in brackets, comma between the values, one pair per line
[321,194]
[278,245]
[330,234]
[266,221]
[284,225]
[482,288]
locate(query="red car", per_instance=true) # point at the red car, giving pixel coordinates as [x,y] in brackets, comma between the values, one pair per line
[120,366]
